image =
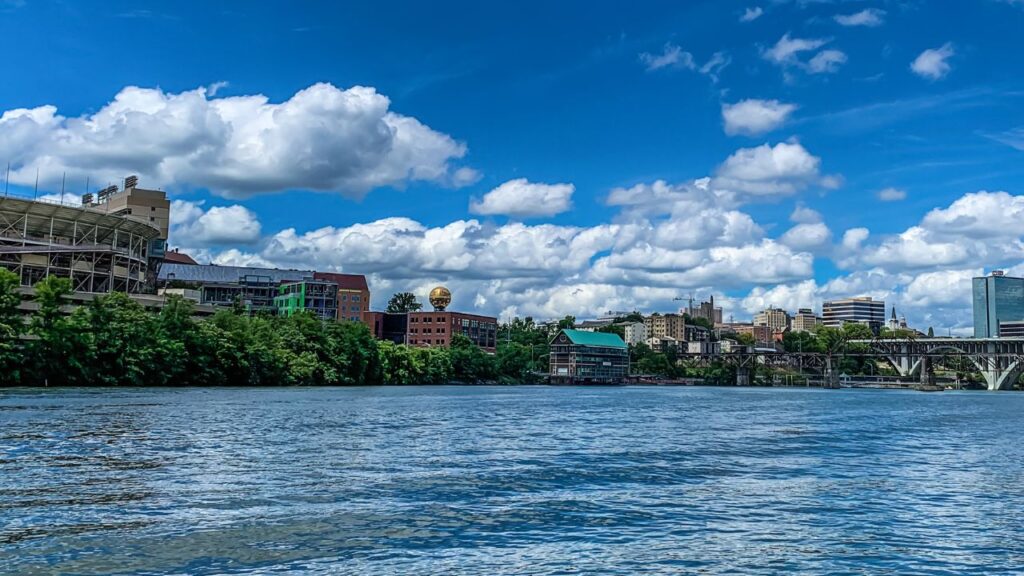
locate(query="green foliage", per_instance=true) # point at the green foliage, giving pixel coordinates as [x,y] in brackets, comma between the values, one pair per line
[631,317]
[617,329]
[403,302]
[569,322]
[114,341]
[702,322]
[745,339]
[11,329]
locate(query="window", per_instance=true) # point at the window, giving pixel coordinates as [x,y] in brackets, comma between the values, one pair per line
[465,323]
[344,297]
[152,208]
[355,298]
[152,219]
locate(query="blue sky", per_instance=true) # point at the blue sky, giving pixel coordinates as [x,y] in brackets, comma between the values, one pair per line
[512,151]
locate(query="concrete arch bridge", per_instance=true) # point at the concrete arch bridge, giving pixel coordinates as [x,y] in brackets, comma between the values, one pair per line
[1000,360]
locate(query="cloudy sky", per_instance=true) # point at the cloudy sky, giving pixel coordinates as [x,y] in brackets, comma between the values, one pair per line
[551,158]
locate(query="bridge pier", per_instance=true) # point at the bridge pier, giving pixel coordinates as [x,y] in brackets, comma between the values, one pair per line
[743,376]
[1000,373]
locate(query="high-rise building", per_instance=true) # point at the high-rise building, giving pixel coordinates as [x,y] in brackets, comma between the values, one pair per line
[862,310]
[805,320]
[707,311]
[997,299]
[774,318]
[671,325]
[635,332]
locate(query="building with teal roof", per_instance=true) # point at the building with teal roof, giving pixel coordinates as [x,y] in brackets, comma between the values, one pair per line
[579,357]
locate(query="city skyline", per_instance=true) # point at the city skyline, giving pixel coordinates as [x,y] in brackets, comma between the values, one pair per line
[577,163]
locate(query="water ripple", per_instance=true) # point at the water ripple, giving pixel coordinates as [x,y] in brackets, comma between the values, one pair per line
[492,480]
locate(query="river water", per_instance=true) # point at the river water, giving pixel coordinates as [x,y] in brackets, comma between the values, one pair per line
[518,480]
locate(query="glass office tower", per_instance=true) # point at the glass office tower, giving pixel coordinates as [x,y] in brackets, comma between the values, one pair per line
[997,298]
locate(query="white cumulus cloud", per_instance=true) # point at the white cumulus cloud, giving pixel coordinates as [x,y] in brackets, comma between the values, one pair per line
[754,117]
[322,138]
[523,199]
[932,63]
[826,62]
[193,226]
[766,170]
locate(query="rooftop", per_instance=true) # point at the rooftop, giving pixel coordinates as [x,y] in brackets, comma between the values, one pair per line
[344,281]
[602,339]
[211,273]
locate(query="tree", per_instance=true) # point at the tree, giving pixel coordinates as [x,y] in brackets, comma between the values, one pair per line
[569,322]
[403,302]
[12,358]
[469,363]
[702,322]
[57,356]
[746,339]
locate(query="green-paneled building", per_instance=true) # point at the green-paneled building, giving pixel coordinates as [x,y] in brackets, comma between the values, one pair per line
[316,296]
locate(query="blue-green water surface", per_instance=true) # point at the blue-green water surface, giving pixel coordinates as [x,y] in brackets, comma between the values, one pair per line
[517,480]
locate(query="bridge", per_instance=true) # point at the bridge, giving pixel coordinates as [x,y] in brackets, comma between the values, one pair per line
[999,360]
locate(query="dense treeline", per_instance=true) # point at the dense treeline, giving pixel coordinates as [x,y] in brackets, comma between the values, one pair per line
[114,341]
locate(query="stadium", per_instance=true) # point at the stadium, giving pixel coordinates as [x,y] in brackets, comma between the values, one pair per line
[113,245]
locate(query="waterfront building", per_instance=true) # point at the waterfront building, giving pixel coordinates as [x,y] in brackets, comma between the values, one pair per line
[663,344]
[670,325]
[388,326]
[805,320]
[635,332]
[253,288]
[317,296]
[705,348]
[578,357]
[774,318]
[101,248]
[694,333]
[998,299]
[435,328]
[353,295]
[862,310]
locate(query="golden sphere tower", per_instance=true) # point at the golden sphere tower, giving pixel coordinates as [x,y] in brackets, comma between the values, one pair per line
[440,298]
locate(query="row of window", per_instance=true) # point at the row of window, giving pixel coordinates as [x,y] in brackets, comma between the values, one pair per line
[425,330]
[355,298]
[426,319]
